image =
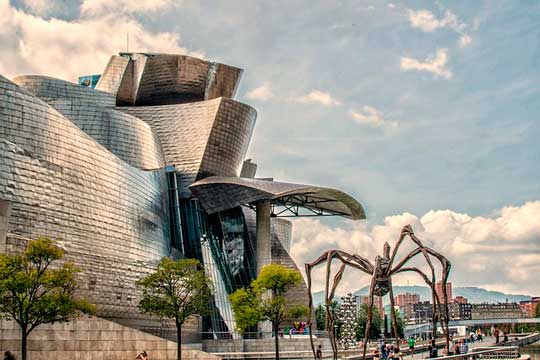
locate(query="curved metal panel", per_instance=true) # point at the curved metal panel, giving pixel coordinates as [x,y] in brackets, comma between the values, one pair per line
[48,88]
[111,79]
[109,216]
[126,136]
[228,142]
[202,138]
[219,193]
[161,79]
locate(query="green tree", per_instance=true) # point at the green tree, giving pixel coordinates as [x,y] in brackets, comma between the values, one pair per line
[176,290]
[376,323]
[265,300]
[34,291]
[320,317]
[400,324]
[536,313]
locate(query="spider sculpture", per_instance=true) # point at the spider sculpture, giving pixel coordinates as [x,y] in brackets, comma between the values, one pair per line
[382,270]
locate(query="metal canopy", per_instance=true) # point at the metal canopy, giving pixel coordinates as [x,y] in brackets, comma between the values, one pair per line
[218,193]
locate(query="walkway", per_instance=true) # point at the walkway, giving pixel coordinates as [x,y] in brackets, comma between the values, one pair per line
[488,341]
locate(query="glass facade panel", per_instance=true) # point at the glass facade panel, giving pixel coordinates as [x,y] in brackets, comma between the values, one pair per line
[221,242]
[89,80]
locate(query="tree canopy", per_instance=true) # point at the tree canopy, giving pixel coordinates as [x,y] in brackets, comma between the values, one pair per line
[176,290]
[34,291]
[265,300]
[376,323]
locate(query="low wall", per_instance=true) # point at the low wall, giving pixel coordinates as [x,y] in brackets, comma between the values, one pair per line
[262,345]
[521,340]
[92,338]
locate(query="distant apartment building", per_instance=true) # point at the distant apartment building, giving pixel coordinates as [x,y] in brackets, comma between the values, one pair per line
[527,307]
[440,290]
[460,300]
[377,303]
[460,311]
[423,312]
[406,303]
[496,311]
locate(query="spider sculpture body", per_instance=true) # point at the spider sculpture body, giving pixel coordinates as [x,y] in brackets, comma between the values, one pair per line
[381,271]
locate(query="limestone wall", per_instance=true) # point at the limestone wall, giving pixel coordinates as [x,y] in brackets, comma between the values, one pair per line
[91,338]
[263,345]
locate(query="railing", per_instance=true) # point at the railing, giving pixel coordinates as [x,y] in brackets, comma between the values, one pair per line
[263,355]
[487,353]
[495,353]
[216,335]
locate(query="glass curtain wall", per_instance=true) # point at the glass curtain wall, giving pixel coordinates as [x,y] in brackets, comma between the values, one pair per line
[221,242]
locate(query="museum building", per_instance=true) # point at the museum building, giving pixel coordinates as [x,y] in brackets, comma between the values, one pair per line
[144,161]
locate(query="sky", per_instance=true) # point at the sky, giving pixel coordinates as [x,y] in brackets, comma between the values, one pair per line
[426,112]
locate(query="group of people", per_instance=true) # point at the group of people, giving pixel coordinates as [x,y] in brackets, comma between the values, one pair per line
[387,352]
[299,327]
[475,336]
[457,347]
[497,335]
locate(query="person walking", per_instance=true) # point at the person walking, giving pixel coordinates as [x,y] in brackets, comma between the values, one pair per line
[497,334]
[411,343]
[434,352]
[384,354]
[456,348]
[464,347]
[318,354]
[479,335]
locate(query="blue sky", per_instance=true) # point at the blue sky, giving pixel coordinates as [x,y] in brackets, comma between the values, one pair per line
[409,106]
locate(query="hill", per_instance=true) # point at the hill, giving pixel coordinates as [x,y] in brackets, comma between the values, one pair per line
[475,295]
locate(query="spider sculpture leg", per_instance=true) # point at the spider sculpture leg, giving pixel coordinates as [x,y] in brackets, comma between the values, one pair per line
[369,316]
[393,314]
[427,253]
[354,261]
[329,295]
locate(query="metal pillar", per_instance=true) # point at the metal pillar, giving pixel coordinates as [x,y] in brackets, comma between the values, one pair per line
[264,252]
[264,235]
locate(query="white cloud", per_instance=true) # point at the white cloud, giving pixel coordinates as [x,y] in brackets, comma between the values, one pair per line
[371,116]
[501,252]
[435,65]
[426,21]
[263,92]
[464,40]
[317,96]
[66,49]
[101,7]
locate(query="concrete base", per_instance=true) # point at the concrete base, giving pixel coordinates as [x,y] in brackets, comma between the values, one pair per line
[92,338]
[263,345]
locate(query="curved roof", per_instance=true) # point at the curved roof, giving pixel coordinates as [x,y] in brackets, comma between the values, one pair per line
[165,79]
[49,88]
[217,193]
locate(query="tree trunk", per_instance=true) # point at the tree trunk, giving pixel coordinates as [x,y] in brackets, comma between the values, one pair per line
[178,340]
[24,337]
[276,336]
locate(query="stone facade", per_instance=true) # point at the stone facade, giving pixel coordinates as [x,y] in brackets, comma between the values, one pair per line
[92,338]
[263,345]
